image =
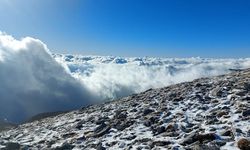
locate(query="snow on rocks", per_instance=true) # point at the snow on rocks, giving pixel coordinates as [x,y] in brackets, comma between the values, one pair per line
[208,114]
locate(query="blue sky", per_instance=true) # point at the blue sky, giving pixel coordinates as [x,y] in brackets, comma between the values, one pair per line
[166,28]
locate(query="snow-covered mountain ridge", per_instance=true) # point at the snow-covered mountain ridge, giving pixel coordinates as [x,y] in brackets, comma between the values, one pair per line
[206,114]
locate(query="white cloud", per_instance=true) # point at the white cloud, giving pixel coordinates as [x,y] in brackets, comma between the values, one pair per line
[33,82]
[111,77]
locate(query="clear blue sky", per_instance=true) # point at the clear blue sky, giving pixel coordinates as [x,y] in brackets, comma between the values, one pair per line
[168,28]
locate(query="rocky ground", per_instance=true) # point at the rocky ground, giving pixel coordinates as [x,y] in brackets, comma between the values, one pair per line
[205,114]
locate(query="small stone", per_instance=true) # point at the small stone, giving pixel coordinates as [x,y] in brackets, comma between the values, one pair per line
[247,86]
[122,145]
[131,137]
[50,143]
[133,110]
[143,140]
[122,125]
[147,111]
[198,137]
[160,130]
[176,148]
[190,125]
[221,113]
[65,146]
[217,92]
[248,133]
[243,144]
[225,107]
[246,113]
[68,135]
[170,128]
[238,130]
[147,123]
[221,143]
[247,98]
[121,115]
[241,93]
[177,99]
[102,120]
[227,133]
[12,146]
[212,129]
[25,147]
[100,127]
[208,137]
[101,130]
[160,143]
[78,126]
[100,147]
[215,101]
[205,147]
[134,104]
[82,138]
[184,129]
[111,143]
[167,114]
[212,121]
[238,111]
[198,85]
[189,139]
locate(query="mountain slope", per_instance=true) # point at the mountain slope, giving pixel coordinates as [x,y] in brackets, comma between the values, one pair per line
[207,113]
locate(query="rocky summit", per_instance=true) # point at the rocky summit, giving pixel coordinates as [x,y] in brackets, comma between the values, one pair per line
[205,114]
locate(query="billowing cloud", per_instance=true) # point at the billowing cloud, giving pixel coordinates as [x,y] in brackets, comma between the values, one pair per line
[111,77]
[33,82]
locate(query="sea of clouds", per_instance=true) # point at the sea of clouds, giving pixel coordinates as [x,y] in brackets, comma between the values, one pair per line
[112,77]
[33,80]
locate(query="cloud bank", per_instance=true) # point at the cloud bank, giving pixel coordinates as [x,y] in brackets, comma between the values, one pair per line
[33,82]
[112,77]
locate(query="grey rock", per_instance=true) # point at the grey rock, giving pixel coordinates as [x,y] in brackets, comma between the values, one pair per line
[198,137]
[65,146]
[159,143]
[100,147]
[243,144]
[102,132]
[147,111]
[205,147]
[12,146]
[227,133]
[246,113]
[159,130]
